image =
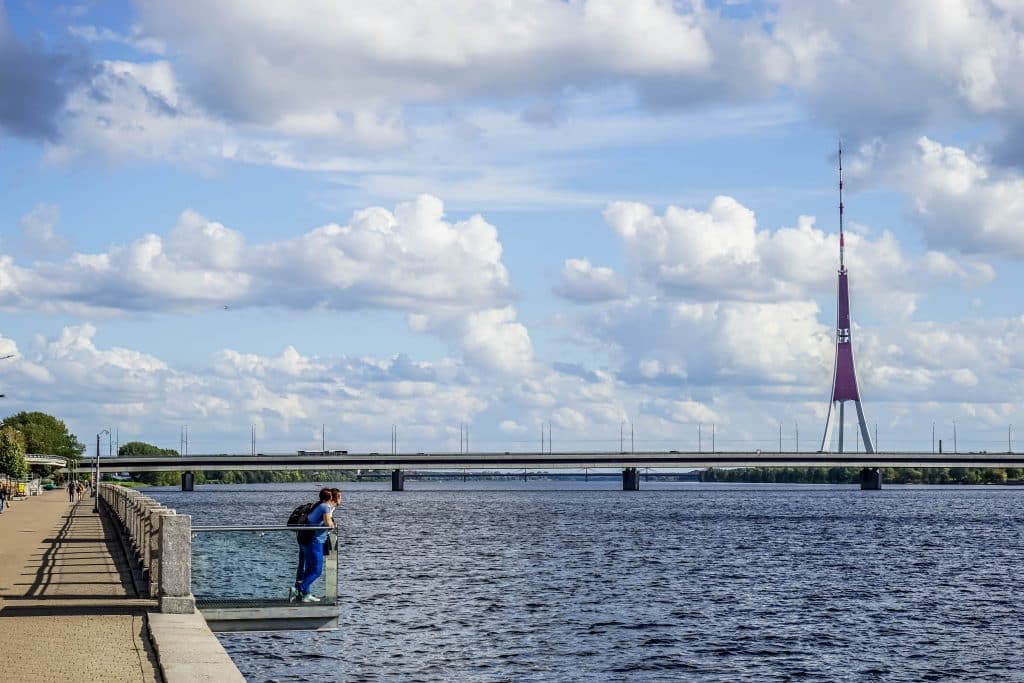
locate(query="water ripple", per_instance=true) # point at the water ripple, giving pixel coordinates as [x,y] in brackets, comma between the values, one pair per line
[695,582]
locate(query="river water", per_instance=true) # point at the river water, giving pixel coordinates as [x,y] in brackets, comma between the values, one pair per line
[574,581]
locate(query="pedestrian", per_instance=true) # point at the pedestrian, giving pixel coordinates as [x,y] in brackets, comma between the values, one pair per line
[311,544]
[3,497]
[71,491]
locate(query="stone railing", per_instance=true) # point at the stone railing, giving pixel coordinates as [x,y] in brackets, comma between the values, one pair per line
[161,541]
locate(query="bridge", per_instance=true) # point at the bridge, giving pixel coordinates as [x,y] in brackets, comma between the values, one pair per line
[45,460]
[630,463]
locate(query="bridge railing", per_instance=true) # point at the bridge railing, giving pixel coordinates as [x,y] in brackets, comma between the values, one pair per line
[161,541]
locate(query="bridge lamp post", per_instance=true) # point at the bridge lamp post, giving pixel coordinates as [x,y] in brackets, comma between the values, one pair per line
[96,481]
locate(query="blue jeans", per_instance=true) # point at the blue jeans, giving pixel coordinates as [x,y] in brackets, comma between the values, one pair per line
[313,561]
[300,570]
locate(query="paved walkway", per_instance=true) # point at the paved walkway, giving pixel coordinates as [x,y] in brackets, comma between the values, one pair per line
[68,608]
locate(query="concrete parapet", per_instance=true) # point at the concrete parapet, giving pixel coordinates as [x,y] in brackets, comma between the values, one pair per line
[161,540]
[188,651]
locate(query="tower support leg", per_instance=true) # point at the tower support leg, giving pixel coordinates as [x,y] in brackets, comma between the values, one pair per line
[630,479]
[871,479]
[397,480]
[865,435]
[188,481]
[830,421]
[842,420]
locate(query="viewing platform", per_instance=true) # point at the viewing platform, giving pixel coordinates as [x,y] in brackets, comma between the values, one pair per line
[236,576]
[249,595]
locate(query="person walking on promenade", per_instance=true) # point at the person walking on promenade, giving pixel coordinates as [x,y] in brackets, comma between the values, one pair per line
[3,497]
[311,564]
[72,488]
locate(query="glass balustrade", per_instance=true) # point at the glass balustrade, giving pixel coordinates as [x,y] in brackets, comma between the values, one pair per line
[254,566]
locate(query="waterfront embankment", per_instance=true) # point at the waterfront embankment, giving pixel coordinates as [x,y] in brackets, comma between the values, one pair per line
[70,609]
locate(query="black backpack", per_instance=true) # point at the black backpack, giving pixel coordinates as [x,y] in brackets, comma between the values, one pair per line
[300,517]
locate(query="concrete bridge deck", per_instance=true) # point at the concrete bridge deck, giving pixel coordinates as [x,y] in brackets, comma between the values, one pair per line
[557,460]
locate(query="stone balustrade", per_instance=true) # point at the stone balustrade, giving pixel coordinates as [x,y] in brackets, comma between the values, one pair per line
[161,541]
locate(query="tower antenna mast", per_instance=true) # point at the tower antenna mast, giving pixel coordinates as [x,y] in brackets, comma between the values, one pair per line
[844,376]
[842,240]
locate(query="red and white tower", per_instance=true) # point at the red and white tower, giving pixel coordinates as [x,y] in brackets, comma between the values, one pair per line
[844,376]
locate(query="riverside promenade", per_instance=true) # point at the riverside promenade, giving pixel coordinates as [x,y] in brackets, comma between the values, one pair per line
[68,607]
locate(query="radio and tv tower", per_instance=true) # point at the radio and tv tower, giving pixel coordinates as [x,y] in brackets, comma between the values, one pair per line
[844,377]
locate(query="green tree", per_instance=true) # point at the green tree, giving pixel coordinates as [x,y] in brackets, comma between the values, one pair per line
[148,450]
[45,434]
[12,453]
[143,449]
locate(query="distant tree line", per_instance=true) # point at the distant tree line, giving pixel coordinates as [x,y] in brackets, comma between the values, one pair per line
[851,475]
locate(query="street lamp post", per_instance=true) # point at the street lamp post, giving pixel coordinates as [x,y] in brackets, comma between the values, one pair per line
[96,474]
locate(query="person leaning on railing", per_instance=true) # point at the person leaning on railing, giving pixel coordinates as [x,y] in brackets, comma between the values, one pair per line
[311,557]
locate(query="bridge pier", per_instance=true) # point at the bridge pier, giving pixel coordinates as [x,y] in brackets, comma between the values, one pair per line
[630,479]
[871,479]
[397,480]
[188,481]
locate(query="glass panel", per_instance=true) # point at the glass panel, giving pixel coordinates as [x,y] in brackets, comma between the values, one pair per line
[247,564]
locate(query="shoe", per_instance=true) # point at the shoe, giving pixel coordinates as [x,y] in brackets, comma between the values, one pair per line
[293,594]
[309,597]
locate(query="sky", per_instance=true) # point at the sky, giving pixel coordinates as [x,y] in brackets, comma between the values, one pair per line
[320,221]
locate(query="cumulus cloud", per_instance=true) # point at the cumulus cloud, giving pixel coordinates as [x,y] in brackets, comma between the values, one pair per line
[583,282]
[408,260]
[962,204]
[70,374]
[335,86]
[926,63]
[332,68]
[755,345]
[129,111]
[491,338]
[349,62]
[721,254]
[38,227]
[449,277]
[971,370]
[34,83]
